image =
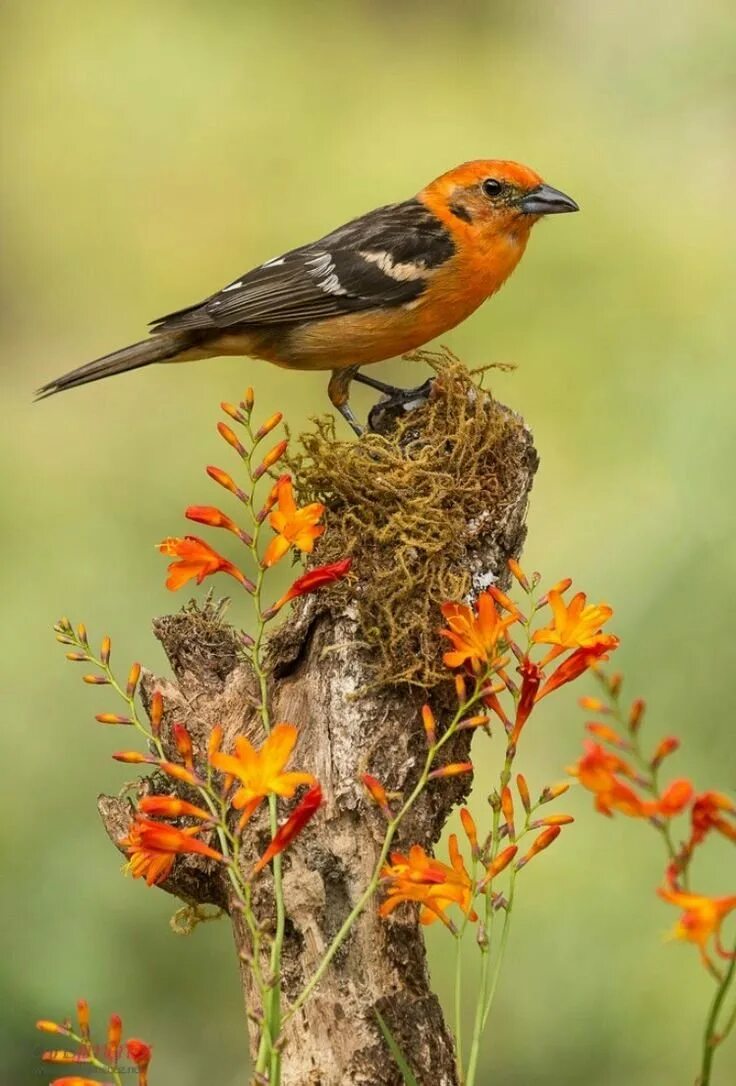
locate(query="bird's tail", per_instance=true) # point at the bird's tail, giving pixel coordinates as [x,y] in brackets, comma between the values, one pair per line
[164,347]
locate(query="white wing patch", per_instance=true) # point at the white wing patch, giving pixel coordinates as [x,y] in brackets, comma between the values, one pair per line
[401,272]
[322,265]
[273,262]
[233,286]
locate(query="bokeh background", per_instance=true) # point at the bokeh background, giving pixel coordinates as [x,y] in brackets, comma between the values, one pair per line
[151,152]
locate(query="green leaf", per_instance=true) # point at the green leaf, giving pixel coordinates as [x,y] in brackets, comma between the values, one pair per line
[401,1061]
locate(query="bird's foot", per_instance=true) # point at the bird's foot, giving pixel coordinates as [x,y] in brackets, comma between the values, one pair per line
[395,404]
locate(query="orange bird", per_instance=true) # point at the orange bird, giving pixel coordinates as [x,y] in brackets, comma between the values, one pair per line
[381,285]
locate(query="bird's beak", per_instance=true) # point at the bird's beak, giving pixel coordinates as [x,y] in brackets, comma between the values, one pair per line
[545,200]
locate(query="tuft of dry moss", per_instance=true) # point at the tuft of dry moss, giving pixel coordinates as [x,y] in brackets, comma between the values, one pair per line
[415,510]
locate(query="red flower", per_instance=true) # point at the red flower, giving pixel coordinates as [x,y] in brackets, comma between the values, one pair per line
[579,662]
[531,677]
[314,579]
[140,1054]
[305,810]
[712,811]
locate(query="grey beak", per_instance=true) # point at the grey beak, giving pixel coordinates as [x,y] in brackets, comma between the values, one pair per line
[547,201]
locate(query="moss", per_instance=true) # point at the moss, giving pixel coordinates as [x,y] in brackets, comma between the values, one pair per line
[412,510]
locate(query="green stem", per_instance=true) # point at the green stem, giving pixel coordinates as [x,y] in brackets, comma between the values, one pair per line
[485,950]
[92,1060]
[710,1037]
[459,984]
[391,831]
[488,983]
[458,1010]
[268,1054]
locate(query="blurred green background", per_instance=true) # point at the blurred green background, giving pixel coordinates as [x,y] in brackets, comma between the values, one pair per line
[154,151]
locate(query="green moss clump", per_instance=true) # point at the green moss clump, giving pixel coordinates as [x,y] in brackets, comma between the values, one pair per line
[412,510]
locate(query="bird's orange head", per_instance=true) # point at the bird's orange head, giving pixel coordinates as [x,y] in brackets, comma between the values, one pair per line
[493,197]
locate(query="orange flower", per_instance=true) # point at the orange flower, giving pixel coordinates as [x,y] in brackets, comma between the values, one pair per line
[474,632]
[573,626]
[295,527]
[196,559]
[305,809]
[262,771]
[582,659]
[675,798]
[708,814]
[314,579]
[596,771]
[702,919]
[152,848]
[435,886]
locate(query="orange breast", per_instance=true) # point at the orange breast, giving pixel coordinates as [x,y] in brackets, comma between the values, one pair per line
[454,292]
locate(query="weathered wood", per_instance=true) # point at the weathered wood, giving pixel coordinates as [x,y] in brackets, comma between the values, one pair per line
[319,675]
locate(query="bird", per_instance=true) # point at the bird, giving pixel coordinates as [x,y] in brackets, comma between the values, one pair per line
[381,285]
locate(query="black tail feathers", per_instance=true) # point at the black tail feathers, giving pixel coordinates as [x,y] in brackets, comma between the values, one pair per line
[159,348]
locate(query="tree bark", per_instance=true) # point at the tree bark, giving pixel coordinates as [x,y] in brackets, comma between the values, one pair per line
[318,679]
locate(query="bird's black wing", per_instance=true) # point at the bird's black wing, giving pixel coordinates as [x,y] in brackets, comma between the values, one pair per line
[383,258]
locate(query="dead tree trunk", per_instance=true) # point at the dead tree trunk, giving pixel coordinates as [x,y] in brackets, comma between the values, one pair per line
[323,680]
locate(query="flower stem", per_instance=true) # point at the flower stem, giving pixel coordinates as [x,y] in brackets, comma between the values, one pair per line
[391,830]
[458,1009]
[711,1040]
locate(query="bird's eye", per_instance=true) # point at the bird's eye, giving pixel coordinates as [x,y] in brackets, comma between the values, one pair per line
[491,187]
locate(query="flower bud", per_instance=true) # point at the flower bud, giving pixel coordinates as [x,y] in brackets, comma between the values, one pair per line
[454,769]
[470,831]
[112,718]
[270,424]
[377,792]
[636,713]
[518,573]
[430,725]
[156,711]
[553,791]
[133,676]
[668,746]
[183,741]
[271,458]
[540,843]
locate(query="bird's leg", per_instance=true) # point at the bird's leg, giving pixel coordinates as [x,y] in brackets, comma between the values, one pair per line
[380,386]
[339,391]
[396,397]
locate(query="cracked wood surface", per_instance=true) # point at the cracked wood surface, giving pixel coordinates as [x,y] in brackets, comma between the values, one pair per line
[318,677]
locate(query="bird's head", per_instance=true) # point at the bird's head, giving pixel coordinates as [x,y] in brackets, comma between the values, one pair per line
[493,197]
